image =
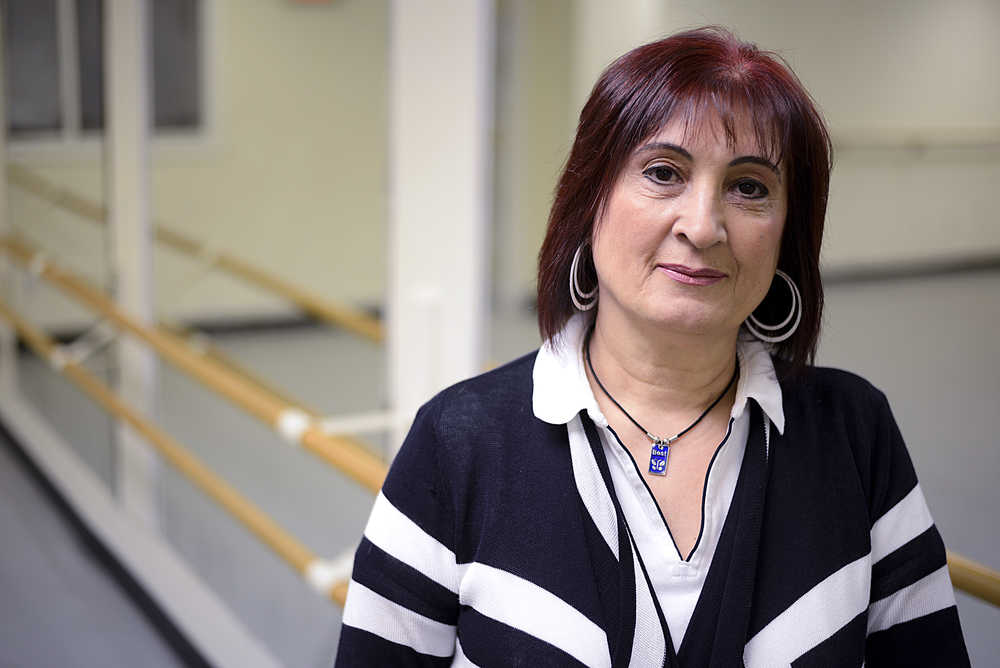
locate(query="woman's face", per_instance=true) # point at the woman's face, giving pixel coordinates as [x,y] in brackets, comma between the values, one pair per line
[688,239]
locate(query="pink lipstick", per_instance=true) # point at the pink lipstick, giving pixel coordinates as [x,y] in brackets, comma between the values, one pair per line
[691,276]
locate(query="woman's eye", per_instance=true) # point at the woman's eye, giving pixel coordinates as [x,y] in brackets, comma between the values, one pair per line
[751,189]
[661,173]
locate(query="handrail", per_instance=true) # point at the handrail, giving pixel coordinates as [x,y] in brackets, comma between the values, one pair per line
[286,546]
[350,318]
[974,578]
[328,425]
[345,454]
[201,346]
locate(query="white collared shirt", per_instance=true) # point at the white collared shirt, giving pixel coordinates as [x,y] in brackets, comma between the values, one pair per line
[561,391]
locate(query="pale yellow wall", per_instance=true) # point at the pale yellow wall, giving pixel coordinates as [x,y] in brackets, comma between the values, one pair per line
[292,176]
[885,71]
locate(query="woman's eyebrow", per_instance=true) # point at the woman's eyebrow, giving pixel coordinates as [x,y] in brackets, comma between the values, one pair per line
[757,160]
[665,146]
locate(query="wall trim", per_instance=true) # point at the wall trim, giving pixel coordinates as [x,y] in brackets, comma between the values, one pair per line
[909,270]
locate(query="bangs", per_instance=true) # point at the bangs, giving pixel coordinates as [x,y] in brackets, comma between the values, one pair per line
[729,106]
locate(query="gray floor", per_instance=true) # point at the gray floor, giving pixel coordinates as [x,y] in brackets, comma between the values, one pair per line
[930,344]
[59,606]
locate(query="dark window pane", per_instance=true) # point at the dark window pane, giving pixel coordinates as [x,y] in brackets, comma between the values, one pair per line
[176,74]
[176,59]
[32,63]
[32,57]
[90,41]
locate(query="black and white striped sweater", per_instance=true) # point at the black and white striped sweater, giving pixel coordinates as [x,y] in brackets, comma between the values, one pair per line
[496,543]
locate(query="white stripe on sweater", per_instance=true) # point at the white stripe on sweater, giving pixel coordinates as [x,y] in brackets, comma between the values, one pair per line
[527,607]
[814,617]
[369,611]
[590,485]
[900,524]
[648,644]
[929,594]
[398,535]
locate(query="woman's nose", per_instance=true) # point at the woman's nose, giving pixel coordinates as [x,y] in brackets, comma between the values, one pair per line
[701,220]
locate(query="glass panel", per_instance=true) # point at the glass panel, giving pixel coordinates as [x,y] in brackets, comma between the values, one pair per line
[82,424]
[47,223]
[32,57]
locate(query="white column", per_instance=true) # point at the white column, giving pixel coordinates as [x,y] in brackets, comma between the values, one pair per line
[8,349]
[606,30]
[127,99]
[440,138]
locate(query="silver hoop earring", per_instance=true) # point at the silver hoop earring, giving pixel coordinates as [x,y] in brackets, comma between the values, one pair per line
[575,293]
[760,330]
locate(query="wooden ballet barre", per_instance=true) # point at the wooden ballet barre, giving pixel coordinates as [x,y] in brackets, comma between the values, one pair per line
[291,422]
[316,571]
[351,319]
[974,578]
[202,346]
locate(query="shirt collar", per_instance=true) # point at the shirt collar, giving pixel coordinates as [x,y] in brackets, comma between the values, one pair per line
[561,389]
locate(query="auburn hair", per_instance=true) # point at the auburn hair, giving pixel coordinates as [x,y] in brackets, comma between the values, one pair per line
[707,72]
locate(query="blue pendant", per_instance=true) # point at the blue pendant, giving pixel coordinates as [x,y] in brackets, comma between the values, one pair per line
[658,458]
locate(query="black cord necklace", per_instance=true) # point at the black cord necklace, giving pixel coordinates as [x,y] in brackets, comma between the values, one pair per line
[660,446]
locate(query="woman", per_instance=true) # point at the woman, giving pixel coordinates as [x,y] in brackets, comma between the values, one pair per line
[667,481]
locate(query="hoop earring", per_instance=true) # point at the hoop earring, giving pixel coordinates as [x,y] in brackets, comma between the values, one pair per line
[794,316]
[575,293]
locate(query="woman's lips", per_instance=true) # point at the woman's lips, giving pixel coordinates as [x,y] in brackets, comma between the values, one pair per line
[691,276]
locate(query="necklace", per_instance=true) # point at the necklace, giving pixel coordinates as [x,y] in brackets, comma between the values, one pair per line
[660,448]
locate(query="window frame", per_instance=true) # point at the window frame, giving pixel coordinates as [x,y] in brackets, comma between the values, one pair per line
[73,144]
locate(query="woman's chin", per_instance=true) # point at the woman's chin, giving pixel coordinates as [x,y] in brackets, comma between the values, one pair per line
[690,323]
